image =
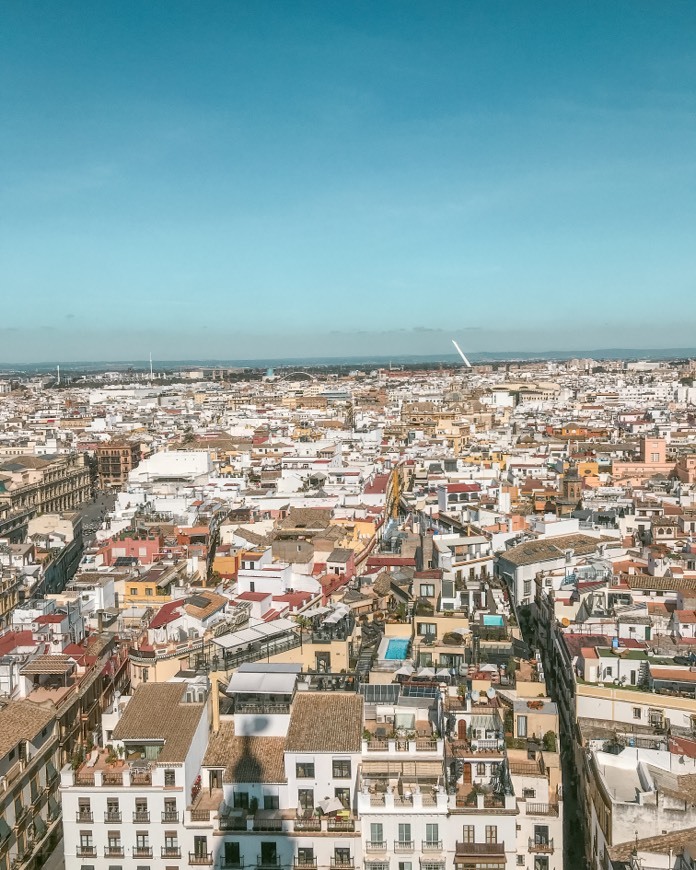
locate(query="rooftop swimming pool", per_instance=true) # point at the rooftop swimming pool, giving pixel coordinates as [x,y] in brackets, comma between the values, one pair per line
[397,648]
[493,619]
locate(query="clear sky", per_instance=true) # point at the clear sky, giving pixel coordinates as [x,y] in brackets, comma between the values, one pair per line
[243,179]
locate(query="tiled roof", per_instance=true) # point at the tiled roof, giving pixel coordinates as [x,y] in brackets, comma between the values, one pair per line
[551,548]
[325,722]
[21,720]
[57,664]
[157,711]
[246,759]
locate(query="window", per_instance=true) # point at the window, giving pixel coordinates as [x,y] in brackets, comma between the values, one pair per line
[304,770]
[520,860]
[432,834]
[427,590]
[240,800]
[637,712]
[271,802]
[541,834]
[480,768]
[341,856]
[134,590]
[608,671]
[85,839]
[142,840]
[305,798]
[654,457]
[84,809]
[169,777]
[200,847]
[146,674]
[405,865]
[529,794]
[376,833]
[527,588]
[491,833]
[521,726]
[305,856]
[404,833]
[427,629]
[468,834]
[232,857]
[343,794]
[171,842]
[341,769]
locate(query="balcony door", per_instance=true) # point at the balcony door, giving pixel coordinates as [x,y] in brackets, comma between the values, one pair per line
[269,854]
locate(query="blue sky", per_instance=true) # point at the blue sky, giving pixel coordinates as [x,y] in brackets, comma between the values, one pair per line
[254,179]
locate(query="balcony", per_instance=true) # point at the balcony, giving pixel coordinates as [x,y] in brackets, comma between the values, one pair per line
[376,846]
[473,850]
[170,816]
[342,863]
[335,826]
[200,858]
[541,809]
[226,864]
[113,851]
[84,816]
[200,815]
[431,846]
[141,816]
[403,845]
[86,851]
[268,863]
[113,817]
[142,851]
[311,825]
[305,863]
[170,852]
[544,847]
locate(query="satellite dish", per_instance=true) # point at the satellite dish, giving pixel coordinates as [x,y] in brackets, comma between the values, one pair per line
[475,695]
[490,693]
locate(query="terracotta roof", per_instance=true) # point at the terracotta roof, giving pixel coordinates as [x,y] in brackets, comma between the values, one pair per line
[246,759]
[157,711]
[57,664]
[21,720]
[320,722]
[551,548]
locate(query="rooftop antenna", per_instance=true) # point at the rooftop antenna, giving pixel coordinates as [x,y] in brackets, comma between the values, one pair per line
[461,354]
[150,365]
[58,380]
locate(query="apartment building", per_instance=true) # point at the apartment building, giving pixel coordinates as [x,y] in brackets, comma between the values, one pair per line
[126,805]
[29,809]
[48,484]
[115,461]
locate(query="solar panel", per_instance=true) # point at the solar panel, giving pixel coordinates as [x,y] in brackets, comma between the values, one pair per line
[198,601]
[376,694]
[416,691]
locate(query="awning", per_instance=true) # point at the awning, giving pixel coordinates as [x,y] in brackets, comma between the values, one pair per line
[5,830]
[39,826]
[330,805]
[53,808]
[484,723]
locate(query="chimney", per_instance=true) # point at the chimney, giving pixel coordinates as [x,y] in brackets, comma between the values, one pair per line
[215,696]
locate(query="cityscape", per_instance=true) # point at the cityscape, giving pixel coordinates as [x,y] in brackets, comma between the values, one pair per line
[382,618]
[348,435]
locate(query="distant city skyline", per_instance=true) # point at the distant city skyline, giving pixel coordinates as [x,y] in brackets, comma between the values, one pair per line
[227,180]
